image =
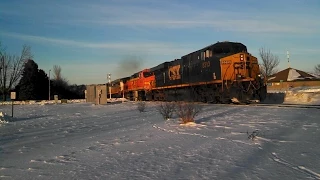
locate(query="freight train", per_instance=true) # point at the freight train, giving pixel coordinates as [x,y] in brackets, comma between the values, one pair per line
[222,72]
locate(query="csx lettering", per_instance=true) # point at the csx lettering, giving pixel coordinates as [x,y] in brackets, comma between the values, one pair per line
[206,64]
[174,72]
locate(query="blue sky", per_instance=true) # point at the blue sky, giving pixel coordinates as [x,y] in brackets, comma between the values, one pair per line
[89,39]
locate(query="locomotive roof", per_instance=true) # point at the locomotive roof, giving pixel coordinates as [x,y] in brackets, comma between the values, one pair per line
[120,79]
[235,47]
[159,66]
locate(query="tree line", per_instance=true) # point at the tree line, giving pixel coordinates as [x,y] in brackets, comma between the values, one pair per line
[21,74]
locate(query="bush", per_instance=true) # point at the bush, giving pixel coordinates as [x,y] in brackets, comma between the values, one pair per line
[64,101]
[141,106]
[166,110]
[187,111]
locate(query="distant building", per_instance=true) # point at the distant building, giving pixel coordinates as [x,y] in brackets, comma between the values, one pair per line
[290,78]
[96,93]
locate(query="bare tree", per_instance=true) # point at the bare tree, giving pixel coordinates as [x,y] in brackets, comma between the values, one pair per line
[58,79]
[167,109]
[317,69]
[269,62]
[11,67]
[57,72]
[187,111]
[1,50]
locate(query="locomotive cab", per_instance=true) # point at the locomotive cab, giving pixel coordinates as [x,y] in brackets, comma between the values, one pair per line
[241,74]
[139,85]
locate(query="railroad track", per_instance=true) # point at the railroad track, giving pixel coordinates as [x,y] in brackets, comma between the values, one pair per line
[306,106]
[277,105]
[288,105]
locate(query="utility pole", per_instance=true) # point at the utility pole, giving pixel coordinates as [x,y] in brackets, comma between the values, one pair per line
[109,79]
[49,84]
[288,59]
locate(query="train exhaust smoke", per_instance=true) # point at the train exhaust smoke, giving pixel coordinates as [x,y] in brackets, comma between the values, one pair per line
[128,66]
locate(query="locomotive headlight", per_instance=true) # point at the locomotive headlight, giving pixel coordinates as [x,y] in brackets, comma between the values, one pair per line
[259,75]
[241,57]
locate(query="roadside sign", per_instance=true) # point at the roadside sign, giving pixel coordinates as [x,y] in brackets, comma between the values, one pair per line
[56,98]
[13,95]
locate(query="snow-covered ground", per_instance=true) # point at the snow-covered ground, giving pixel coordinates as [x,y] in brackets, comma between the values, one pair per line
[116,141]
[43,102]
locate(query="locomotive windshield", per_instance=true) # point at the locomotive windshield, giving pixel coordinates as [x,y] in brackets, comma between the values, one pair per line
[228,47]
[239,48]
[147,74]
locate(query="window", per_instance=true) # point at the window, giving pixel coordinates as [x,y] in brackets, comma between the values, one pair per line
[202,55]
[147,74]
[208,53]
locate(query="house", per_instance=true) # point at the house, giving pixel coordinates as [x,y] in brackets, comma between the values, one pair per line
[290,78]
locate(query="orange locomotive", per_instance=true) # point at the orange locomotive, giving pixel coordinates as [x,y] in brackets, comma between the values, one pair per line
[139,84]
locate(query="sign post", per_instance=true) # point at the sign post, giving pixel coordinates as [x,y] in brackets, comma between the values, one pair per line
[109,79]
[12,97]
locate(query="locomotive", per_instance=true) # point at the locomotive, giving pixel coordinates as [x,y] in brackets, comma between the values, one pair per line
[222,72]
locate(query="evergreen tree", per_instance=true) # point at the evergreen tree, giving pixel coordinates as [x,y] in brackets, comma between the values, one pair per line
[33,84]
[42,85]
[27,82]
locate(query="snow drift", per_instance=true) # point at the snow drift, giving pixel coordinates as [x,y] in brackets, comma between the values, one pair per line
[299,95]
[4,118]
[43,102]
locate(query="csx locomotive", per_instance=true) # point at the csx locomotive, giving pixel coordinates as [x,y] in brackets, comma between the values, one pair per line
[223,72]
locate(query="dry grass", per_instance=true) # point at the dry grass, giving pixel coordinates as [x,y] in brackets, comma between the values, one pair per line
[141,106]
[187,111]
[167,109]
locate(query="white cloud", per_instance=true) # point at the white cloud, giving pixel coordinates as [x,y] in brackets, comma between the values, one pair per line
[167,14]
[182,16]
[146,47]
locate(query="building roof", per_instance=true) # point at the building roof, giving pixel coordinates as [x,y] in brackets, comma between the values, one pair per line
[291,74]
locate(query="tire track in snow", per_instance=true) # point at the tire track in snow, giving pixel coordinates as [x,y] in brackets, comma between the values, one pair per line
[301,169]
[178,132]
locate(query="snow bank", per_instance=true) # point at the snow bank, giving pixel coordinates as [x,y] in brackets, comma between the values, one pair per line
[312,98]
[116,100]
[299,95]
[43,102]
[4,118]
[306,89]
